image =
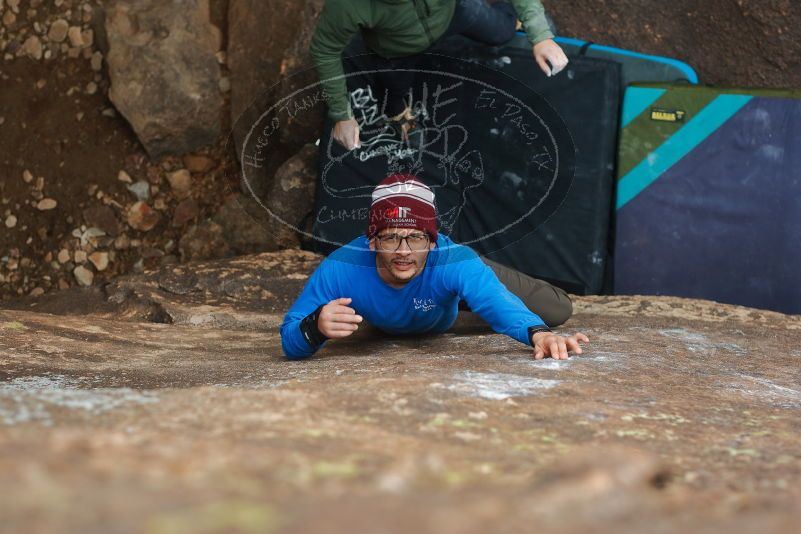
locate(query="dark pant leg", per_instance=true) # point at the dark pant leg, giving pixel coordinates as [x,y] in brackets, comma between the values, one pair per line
[492,24]
[552,304]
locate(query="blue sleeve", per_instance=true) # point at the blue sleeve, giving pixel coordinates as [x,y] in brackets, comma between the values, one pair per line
[477,284]
[318,290]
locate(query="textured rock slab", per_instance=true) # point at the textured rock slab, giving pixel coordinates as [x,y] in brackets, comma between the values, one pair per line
[249,224]
[291,199]
[259,32]
[250,293]
[276,108]
[164,73]
[676,415]
[304,127]
[246,225]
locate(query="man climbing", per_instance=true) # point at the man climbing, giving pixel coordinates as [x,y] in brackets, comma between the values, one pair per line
[404,278]
[399,31]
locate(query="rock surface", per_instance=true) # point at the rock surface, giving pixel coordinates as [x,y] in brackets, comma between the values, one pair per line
[185,211]
[301,127]
[250,224]
[198,163]
[142,217]
[46,204]
[269,62]
[728,42]
[100,260]
[164,73]
[83,275]
[259,33]
[681,413]
[246,226]
[204,241]
[291,198]
[102,217]
[58,30]
[180,182]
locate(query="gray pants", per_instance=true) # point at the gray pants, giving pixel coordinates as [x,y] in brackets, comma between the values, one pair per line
[551,303]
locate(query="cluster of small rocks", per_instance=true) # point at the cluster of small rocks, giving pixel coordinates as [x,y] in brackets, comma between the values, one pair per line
[42,32]
[129,222]
[144,214]
[116,234]
[46,32]
[13,264]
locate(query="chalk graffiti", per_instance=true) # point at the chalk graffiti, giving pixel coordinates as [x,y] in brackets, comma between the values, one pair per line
[469,134]
[440,138]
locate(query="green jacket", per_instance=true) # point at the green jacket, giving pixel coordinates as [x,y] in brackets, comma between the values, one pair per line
[391,28]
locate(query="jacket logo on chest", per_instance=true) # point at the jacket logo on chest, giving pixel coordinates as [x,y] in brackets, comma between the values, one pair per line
[424,304]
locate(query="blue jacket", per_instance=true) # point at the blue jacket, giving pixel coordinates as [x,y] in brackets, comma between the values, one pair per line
[427,304]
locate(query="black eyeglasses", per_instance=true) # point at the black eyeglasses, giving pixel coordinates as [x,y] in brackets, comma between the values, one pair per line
[392,242]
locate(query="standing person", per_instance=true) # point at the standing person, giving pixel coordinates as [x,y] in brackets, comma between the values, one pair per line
[398,31]
[405,278]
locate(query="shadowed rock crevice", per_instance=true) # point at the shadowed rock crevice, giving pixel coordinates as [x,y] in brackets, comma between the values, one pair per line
[135,308]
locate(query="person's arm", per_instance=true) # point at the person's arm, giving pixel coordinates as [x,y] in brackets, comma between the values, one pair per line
[532,15]
[300,336]
[335,28]
[317,316]
[477,284]
[543,47]
[507,314]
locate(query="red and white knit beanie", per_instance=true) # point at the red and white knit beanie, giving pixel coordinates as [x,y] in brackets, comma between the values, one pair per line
[403,201]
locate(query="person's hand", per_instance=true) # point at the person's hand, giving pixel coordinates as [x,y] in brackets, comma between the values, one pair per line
[557,347]
[346,133]
[337,319]
[548,50]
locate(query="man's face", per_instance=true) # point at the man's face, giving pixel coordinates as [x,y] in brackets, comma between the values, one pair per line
[400,260]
